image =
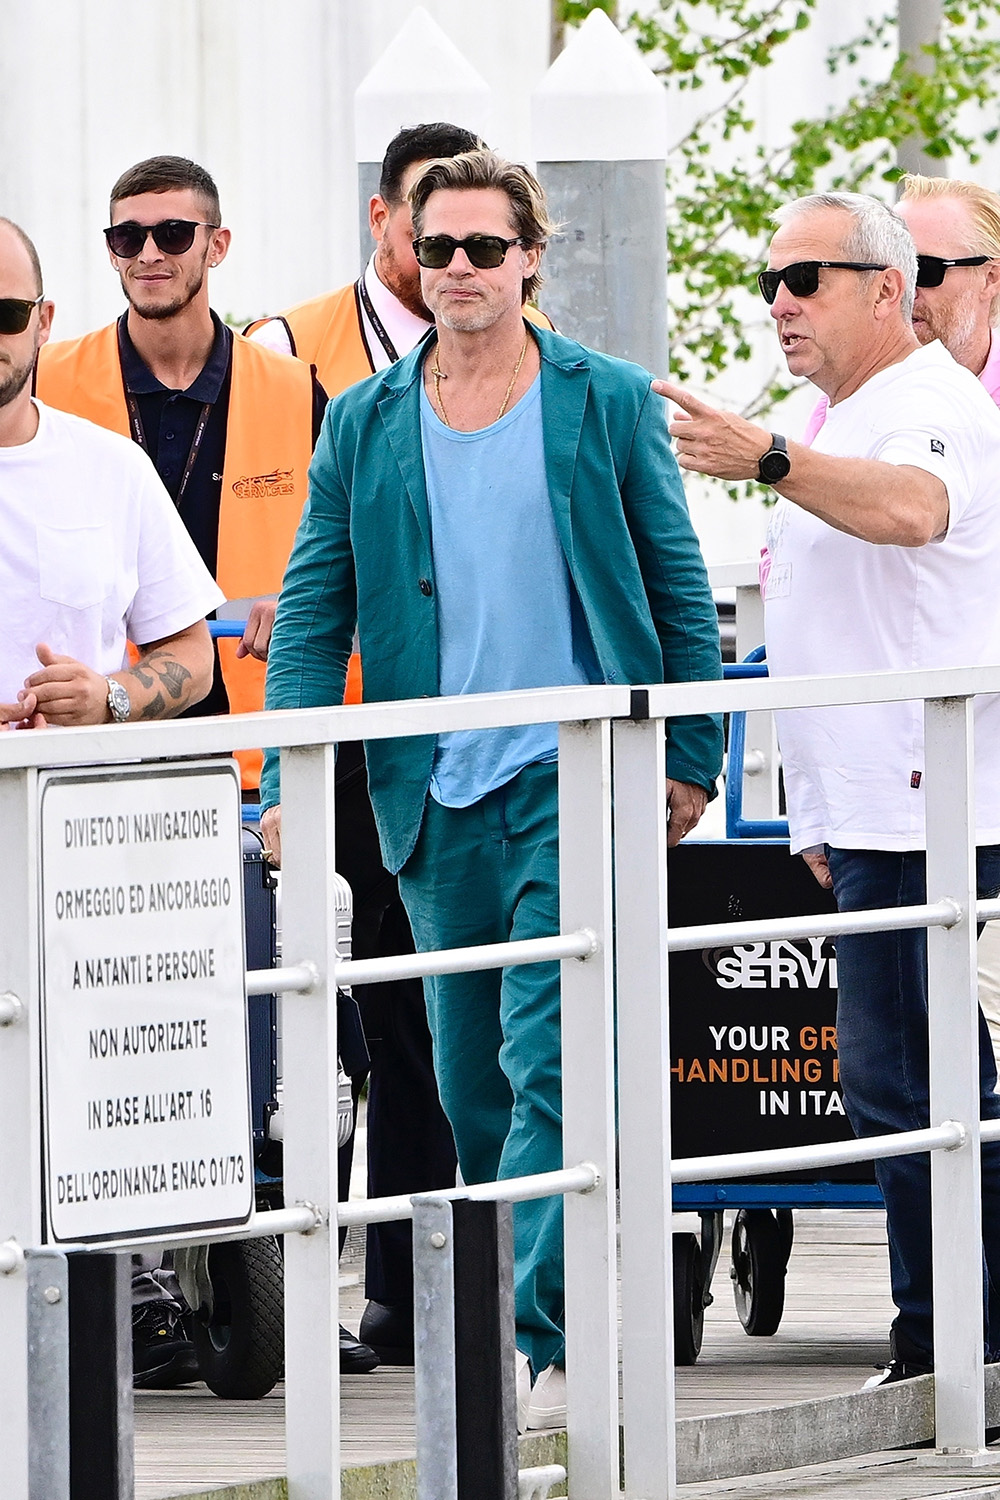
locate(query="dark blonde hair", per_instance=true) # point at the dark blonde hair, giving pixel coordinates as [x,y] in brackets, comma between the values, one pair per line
[529,214]
[984,213]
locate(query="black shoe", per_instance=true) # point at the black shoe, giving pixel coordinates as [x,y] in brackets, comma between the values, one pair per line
[355,1357]
[162,1354]
[388,1329]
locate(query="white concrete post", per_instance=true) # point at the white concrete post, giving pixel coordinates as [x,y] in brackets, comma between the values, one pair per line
[312,1353]
[599,121]
[919,27]
[420,77]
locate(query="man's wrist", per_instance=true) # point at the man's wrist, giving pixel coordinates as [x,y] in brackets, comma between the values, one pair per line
[119,704]
[774,463]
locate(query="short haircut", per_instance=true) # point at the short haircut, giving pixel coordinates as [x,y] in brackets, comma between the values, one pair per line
[529,214]
[28,244]
[984,214]
[878,234]
[420,143]
[165,174]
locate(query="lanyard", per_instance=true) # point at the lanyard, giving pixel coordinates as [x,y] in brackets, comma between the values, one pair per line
[139,435]
[361,296]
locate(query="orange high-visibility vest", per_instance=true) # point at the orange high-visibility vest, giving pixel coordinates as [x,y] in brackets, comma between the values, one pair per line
[268,449]
[326,332]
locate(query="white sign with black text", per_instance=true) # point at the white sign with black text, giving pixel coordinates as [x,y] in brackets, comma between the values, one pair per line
[145,1074]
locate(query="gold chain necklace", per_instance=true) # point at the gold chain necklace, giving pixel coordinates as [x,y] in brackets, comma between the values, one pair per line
[439,375]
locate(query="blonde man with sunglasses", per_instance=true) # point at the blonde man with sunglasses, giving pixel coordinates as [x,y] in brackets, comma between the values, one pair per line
[955,226]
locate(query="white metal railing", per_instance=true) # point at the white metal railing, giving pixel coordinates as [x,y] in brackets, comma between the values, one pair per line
[591,720]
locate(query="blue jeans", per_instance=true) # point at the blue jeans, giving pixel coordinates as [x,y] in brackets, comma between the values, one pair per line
[882,1045]
[489,873]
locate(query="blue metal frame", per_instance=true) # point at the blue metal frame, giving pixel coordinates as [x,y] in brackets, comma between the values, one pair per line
[738,827]
[704,1196]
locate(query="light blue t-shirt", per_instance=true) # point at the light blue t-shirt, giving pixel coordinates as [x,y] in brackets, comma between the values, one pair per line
[505,603]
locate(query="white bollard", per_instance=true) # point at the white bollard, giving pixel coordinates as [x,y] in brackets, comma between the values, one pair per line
[420,77]
[599,121]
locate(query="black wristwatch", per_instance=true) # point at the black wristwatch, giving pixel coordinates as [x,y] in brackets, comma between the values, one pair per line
[775,463]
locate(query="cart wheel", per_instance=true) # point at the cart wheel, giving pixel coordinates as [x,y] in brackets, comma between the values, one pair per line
[241,1350]
[758,1270]
[689,1309]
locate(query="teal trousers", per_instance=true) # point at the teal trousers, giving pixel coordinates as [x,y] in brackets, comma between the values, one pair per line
[485,874]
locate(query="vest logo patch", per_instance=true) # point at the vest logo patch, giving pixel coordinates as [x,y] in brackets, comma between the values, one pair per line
[263,486]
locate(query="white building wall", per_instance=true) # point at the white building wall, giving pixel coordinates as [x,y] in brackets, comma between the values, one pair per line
[260,93]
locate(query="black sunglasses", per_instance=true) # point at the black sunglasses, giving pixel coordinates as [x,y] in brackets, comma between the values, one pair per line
[15,313]
[802,278]
[172,236]
[484,251]
[931,268]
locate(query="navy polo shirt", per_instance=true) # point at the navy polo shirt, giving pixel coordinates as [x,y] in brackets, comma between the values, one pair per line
[169,420]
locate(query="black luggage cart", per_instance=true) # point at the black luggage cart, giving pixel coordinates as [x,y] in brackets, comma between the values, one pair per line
[754,1060]
[237,1288]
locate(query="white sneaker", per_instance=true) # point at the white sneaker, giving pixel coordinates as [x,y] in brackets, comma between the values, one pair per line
[547,1407]
[523,1379]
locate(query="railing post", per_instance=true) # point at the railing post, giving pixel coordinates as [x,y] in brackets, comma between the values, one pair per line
[640,834]
[956,1206]
[485,1400]
[20,1146]
[434,1348]
[101,1412]
[589,1111]
[309,1029]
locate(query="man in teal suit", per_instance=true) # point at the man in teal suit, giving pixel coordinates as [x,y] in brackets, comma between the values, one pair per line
[498,511]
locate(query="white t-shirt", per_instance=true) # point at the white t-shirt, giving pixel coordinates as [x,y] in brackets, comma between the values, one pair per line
[93,551]
[835,604]
[404,328]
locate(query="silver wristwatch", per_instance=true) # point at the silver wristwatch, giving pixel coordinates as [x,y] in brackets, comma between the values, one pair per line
[119,703]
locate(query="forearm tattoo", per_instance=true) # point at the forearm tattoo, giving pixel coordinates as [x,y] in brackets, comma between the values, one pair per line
[166,674]
[154,708]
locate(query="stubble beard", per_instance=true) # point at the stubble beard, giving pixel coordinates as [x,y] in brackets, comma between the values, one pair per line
[471,320]
[158,311]
[17,377]
[954,328]
[405,289]
[470,317]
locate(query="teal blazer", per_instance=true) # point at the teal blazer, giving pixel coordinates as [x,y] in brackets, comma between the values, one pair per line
[363,559]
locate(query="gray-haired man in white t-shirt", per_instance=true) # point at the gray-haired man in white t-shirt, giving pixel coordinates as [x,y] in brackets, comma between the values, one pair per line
[883,554]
